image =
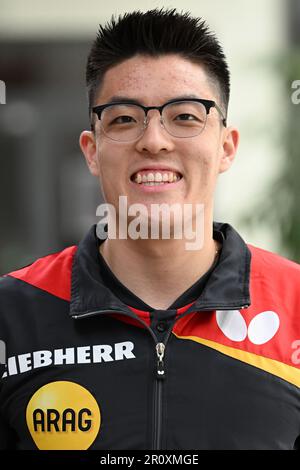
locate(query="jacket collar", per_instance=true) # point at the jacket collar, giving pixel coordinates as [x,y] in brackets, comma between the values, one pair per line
[227,287]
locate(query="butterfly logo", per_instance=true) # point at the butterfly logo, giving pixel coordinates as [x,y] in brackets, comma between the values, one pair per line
[262,328]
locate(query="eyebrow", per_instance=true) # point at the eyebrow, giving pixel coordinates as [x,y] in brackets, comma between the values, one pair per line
[127,99]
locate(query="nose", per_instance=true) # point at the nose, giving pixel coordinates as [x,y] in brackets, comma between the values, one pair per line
[155,137]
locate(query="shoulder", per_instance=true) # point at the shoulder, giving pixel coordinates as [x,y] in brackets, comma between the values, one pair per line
[275,273]
[263,261]
[51,273]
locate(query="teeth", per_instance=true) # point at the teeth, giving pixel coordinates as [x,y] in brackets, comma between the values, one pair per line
[156,178]
[172,177]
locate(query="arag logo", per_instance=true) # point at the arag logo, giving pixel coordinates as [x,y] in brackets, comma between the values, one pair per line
[63,416]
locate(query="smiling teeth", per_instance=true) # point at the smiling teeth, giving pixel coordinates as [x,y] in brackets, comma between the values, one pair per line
[151,179]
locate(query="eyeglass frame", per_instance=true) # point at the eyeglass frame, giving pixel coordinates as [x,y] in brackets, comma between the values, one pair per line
[208,104]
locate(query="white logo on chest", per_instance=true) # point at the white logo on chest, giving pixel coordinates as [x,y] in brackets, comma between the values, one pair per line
[262,327]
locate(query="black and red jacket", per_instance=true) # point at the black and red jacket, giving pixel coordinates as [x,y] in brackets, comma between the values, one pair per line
[85,370]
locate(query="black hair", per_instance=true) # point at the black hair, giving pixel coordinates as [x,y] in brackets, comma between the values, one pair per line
[155,33]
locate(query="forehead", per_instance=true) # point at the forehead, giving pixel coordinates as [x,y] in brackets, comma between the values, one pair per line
[154,80]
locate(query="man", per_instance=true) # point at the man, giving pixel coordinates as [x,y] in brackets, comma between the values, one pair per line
[144,342]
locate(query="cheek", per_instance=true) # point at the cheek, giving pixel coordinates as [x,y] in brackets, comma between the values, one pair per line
[112,172]
[201,166]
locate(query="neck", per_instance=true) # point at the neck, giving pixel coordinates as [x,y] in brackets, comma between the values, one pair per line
[159,271]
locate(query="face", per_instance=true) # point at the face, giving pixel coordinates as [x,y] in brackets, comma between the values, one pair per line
[196,161]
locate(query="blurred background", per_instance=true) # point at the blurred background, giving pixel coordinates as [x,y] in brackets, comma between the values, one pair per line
[48,199]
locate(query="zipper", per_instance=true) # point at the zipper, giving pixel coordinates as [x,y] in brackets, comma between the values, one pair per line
[160,371]
[160,349]
[160,376]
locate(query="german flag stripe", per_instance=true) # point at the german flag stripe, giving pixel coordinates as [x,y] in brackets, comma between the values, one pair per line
[284,371]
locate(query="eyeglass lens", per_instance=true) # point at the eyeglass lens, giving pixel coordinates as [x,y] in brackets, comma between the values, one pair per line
[127,122]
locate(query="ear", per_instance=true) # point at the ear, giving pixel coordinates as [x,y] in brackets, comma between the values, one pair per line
[229,148]
[87,142]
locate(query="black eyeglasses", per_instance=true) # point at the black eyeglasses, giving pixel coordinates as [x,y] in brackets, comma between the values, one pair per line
[125,121]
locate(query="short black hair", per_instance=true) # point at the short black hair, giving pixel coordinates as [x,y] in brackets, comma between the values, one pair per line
[154,33]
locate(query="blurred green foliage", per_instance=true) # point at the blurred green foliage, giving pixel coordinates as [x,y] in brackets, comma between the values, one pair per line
[281,207]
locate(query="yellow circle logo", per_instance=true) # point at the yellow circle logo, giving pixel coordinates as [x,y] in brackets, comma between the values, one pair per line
[63,416]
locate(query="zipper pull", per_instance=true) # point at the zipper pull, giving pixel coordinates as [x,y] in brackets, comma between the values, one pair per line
[160,351]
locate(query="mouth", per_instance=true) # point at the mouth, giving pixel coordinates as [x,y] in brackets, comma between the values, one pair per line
[153,177]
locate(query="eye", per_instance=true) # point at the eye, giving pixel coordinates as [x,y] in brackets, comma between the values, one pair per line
[123,120]
[186,117]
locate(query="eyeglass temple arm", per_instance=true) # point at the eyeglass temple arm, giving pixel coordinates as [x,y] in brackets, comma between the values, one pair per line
[224,120]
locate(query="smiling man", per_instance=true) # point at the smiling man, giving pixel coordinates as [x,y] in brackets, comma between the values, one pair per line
[136,342]
[175,158]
